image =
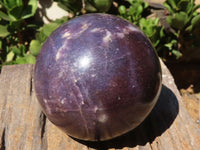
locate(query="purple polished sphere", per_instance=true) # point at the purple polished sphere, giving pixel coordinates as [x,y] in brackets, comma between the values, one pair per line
[97,77]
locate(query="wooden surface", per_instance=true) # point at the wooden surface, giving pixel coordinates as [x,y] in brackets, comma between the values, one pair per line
[24,127]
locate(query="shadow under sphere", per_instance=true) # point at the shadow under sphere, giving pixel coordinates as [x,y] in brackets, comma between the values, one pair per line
[157,122]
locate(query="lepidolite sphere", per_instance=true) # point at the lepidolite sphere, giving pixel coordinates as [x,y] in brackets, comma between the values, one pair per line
[97,77]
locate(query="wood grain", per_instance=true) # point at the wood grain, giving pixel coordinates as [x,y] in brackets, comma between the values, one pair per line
[24,127]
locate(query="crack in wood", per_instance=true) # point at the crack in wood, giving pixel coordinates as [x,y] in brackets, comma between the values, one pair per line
[31,86]
[43,124]
[150,146]
[31,81]
[2,146]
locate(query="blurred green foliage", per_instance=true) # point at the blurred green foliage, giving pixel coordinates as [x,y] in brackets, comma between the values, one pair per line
[185,20]
[134,12]
[21,37]
[15,28]
[83,6]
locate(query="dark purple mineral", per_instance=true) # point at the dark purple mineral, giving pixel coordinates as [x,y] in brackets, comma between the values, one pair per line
[97,77]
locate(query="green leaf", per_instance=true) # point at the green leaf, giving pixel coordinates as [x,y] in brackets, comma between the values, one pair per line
[89,7]
[168,7]
[162,34]
[23,49]
[10,4]
[35,47]
[195,23]
[145,5]
[177,54]
[61,20]
[4,32]
[182,5]
[20,60]
[16,50]
[49,28]
[10,56]
[131,10]
[189,28]
[156,43]
[196,7]
[28,59]
[156,21]
[5,16]
[102,5]
[122,9]
[172,3]
[41,37]
[196,20]
[30,9]
[73,6]
[139,10]
[16,12]
[171,44]
[15,25]
[178,20]
[189,8]
[142,23]
[1,44]
[150,31]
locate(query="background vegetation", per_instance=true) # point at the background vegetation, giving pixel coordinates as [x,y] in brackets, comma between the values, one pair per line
[21,35]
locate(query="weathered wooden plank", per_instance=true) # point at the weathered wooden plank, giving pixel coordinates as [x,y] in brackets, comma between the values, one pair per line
[24,126]
[20,115]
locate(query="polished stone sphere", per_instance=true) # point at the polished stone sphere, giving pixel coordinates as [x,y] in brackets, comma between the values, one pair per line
[97,77]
